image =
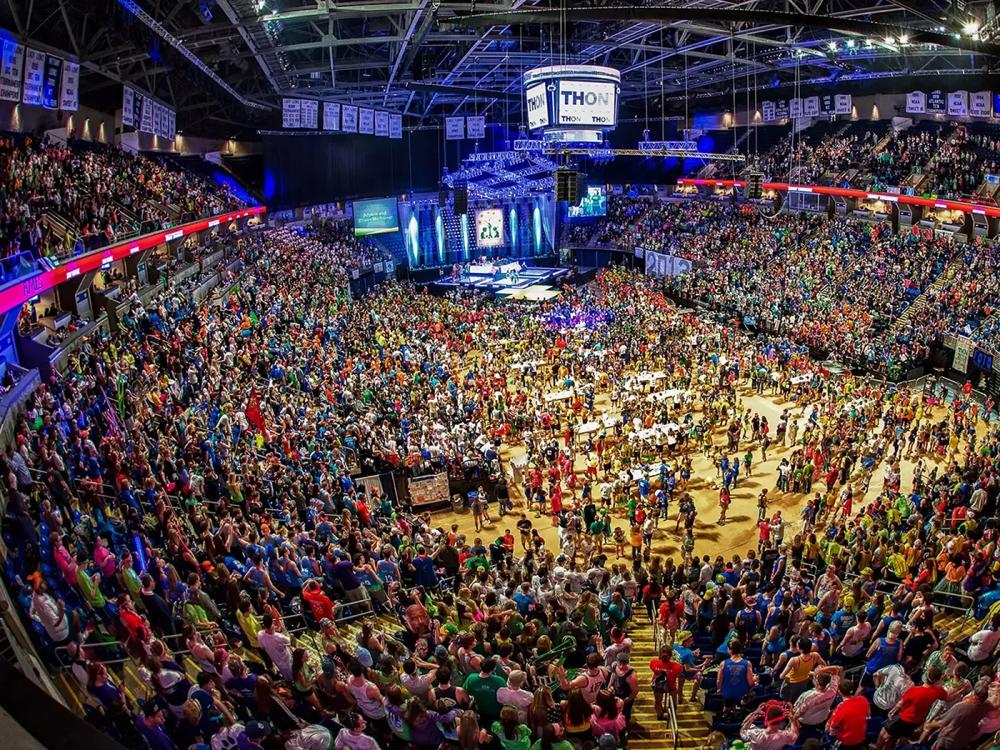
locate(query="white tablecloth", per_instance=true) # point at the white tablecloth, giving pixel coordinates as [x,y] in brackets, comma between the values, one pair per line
[558,396]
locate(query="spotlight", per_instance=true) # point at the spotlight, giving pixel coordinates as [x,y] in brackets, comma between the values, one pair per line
[971,27]
[832,46]
[850,43]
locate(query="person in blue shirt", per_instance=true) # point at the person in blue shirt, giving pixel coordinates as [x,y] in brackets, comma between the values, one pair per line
[524,599]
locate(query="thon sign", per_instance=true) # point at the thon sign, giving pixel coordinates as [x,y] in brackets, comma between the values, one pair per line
[577,97]
[590,103]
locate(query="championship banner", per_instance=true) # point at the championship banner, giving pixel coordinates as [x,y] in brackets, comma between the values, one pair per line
[349,118]
[842,104]
[310,114]
[781,110]
[795,107]
[157,119]
[981,104]
[291,113]
[454,128]
[146,124]
[396,126]
[958,103]
[963,349]
[381,123]
[34,73]
[171,127]
[50,82]
[11,70]
[475,127]
[827,105]
[366,121]
[916,103]
[69,91]
[936,103]
[810,106]
[768,111]
[128,106]
[331,115]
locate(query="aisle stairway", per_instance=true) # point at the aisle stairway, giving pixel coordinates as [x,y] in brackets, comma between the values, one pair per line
[928,294]
[648,733]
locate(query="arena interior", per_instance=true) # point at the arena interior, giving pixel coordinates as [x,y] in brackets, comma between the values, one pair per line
[512,375]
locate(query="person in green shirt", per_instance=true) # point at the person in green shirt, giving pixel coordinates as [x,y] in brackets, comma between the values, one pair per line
[483,688]
[89,588]
[549,741]
[512,734]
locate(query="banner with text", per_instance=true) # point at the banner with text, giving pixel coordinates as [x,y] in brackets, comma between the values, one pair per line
[366,121]
[11,70]
[813,106]
[396,126]
[475,127]
[331,115]
[349,118]
[69,90]
[310,114]
[34,74]
[381,123]
[454,128]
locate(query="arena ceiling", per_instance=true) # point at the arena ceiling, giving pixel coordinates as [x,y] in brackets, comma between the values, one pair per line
[225,64]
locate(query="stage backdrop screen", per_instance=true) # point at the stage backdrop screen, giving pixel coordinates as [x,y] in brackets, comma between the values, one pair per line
[489,228]
[594,203]
[378,216]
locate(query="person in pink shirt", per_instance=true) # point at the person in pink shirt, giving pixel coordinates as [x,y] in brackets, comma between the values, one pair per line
[106,561]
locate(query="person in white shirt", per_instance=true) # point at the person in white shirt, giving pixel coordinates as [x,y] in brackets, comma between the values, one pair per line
[276,645]
[771,736]
[813,707]
[515,695]
[51,612]
[890,684]
[981,644]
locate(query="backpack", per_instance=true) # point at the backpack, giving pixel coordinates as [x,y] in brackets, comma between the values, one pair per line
[619,684]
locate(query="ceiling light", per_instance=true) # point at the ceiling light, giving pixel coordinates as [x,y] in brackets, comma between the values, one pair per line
[971,27]
[850,43]
[904,39]
[832,46]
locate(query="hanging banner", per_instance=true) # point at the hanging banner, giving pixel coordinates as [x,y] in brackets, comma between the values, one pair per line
[34,74]
[157,119]
[827,105]
[810,106]
[781,110]
[381,123]
[795,107]
[981,104]
[454,128]
[842,104]
[291,113]
[963,348]
[148,105]
[310,114]
[958,103]
[128,106]
[916,103]
[11,70]
[396,126]
[349,118]
[50,82]
[936,103]
[171,125]
[69,91]
[767,111]
[475,127]
[366,121]
[331,115]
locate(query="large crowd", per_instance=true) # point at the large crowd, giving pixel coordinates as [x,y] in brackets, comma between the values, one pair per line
[183,499]
[103,192]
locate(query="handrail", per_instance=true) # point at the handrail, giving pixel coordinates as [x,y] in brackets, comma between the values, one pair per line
[24,289]
[672,720]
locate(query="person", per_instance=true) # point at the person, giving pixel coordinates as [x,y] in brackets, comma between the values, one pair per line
[483,688]
[735,678]
[510,731]
[352,736]
[277,645]
[623,683]
[774,735]
[812,708]
[959,727]
[514,695]
[849,721]
[907,716]
[798,670]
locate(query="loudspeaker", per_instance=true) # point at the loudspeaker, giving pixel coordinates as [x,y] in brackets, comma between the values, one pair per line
[461,199]
[755,185]
[566,185]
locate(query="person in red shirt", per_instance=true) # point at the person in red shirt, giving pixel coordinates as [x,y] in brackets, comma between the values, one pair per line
[665,673]
[911,712]
[849,720]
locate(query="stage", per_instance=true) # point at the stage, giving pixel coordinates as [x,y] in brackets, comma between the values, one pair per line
[509,279]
